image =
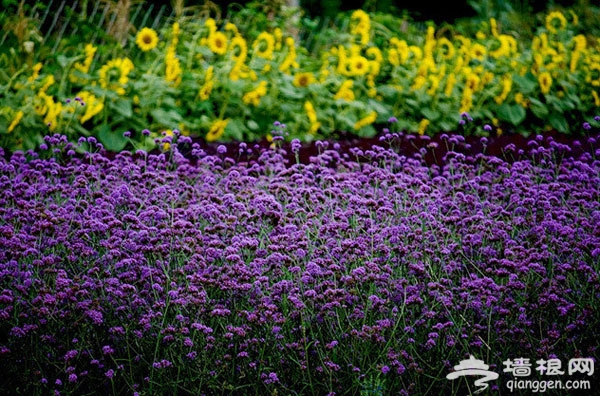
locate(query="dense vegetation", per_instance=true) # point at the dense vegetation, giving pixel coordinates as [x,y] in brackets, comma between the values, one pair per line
[251,201]
[230,78]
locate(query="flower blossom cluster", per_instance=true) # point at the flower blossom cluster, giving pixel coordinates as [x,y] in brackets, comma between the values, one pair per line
[155,274]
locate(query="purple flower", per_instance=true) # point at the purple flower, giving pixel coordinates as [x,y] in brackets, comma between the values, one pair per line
[296,145]
[270,378]
[96,316]
[71,354]
[392,120]
[331,345]
[110,373]
[127,134]
[587,126]
[221,149]
[385,369]
[162,364]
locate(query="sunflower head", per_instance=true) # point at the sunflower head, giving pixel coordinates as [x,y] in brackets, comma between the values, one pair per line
[478,52]
[555,21]
[217,42]
[358,65]
[545,80]
[303,79]
[216,130]
[264,45]
[146,39]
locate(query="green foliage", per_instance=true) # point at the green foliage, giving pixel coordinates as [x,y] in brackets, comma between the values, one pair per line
[229,79]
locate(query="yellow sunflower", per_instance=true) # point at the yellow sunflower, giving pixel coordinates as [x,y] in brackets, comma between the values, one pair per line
[472,81]
[36,72]
[146,39]
[555,21]
[311,113]
[303,79]
[446,48]
[93,105]
[506,88]
[596,98]
[15,121]
[423,126]
[264,45]
[450,83]
[345,92]
[362,27]
[478,51]
[366,121]
[358,65]
[545,80]
[253,97]
[118,69]
[217,42]
[593,76]
[216,130]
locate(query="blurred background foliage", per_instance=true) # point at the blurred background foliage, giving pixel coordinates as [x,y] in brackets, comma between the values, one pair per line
[107,21]
[518,13]
[43,65]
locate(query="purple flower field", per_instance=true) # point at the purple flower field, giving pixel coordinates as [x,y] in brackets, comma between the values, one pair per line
[369,273]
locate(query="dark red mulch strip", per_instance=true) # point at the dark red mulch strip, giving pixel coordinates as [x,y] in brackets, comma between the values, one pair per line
[410,144]
[407,144]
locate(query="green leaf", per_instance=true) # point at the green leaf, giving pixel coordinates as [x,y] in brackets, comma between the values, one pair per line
[412,104]
[253,125]
[346,122]
[558,122]
[539,109]
[235,130]
[430,113]
[123,107]
[62,60]
[447,125]
[367,131]
[387,91]
[526,84]
[112,141]
[515,114]
[169,118]
[381,109]
[288,93]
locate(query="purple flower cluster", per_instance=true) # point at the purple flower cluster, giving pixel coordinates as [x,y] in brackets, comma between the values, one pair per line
[144,274]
